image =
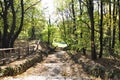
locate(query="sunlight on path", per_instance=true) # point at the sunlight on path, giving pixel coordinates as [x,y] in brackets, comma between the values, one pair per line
[54,67]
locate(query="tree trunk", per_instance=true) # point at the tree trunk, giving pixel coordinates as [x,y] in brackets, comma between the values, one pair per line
[21,23]
[49,33]
[114,26]
[64,28]
[119,19]
[13,25]
[90,7]
[74,17]
[101,31]
[109,28]
[80,6]
[5,43]
[32,33]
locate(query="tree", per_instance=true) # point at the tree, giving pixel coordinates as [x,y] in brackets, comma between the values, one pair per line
[80,6]
[101,30]
[103,22]
[73,16]
[12,24]
[119,19]
[114,25]
[109,27]
[49,32]
[10,33]
[90,8]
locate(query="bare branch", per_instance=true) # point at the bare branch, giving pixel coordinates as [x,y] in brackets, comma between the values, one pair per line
[88,25]
[85,23]
[32,6]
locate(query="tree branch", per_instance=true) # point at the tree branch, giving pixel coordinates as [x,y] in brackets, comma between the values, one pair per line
[32,6]
[88,25]
[84,3]
[21,22]
[13,18]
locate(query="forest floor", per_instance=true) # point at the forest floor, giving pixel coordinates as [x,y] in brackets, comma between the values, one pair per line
[61,66]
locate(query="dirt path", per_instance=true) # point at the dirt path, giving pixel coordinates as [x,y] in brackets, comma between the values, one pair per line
[56,66]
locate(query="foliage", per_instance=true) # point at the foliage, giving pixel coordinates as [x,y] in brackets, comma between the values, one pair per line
[97,71]
[113,74]
[9,71]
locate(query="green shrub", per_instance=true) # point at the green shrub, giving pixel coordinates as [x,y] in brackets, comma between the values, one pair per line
[9,71]
[1,71]
[97,71]
[114,74]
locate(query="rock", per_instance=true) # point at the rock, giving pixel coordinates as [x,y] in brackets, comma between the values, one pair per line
[56,70]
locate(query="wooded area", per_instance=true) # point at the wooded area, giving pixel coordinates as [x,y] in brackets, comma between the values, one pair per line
[85,27]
